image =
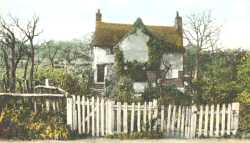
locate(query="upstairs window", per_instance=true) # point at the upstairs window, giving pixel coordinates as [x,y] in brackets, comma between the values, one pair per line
[109,51]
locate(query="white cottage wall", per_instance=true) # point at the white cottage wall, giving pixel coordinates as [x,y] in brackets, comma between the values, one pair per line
[134,47]
[101,57]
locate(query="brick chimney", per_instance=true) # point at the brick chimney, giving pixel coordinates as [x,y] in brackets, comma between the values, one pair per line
[98,16]
[178,23]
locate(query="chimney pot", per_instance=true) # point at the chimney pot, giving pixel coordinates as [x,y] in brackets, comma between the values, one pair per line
[98,15]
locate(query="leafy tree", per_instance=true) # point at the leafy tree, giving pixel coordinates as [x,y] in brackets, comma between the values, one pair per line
[218,81]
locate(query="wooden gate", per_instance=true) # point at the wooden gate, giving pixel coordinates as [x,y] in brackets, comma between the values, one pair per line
[101,117]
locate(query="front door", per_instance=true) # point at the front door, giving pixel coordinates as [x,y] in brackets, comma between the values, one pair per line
[100,73]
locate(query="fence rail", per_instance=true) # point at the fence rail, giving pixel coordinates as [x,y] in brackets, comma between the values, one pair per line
[100,117]
[37,101]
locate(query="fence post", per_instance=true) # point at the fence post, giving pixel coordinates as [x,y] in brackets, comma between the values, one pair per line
[150,116]
[53,104]
[179,120]
[88,116]
[187,122]
[125,118]
[74,113]
[168,121]
[132,117]
[79,114]
[182,121]
[139,117]
[173,121]
[83,115]
[98,117]
[47,105]
[145,116]
[217,120]
[229,119]
[93,115]
[223,119]
[118,117]
[107,116]
[162,118]
[206,121]
[155,114]
[111,118]
[102,117]
[200,121]
[235,117]
[193,121]
[69,112]
[35,106]
[57,105]
[211,131]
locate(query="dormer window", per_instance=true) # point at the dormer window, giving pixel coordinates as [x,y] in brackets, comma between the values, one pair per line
[109,51]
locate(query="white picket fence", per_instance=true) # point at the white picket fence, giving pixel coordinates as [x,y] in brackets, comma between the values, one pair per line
[100,117]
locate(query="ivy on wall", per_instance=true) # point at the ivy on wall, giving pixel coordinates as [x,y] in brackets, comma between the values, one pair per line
[119,62]
[156,48]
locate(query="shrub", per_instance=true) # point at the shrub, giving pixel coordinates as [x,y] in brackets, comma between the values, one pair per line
[71,82]
[166,95]
[123,91]
[24,124]
[244,126]
[137,135]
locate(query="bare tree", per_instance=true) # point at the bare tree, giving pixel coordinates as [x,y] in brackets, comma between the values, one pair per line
[202,33]
[13,50]
[30,31]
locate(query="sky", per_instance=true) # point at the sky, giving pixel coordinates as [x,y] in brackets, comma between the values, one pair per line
[73,19]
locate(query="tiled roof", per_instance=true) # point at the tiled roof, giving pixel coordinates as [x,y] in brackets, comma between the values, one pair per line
[109,34]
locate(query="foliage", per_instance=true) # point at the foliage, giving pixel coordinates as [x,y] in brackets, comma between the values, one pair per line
[123,90]
[137,135]
[24,124]
[243,73]
[166,95]
[119,62]
[218,81]
[70,82]
[136,71]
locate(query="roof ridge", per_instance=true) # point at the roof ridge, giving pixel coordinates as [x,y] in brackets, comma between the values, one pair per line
[127,24]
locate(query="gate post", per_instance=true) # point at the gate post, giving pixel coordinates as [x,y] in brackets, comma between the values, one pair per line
[111,117]
[235,117]
[69,112]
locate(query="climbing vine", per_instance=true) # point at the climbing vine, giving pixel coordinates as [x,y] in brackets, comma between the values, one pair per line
[119,62]
[156,48]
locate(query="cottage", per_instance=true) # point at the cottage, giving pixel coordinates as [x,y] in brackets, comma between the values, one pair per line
[138,42]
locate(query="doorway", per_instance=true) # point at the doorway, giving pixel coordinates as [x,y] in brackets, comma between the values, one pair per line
[100,73]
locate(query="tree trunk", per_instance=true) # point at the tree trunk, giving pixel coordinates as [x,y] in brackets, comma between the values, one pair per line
[32,66]
[7,72]
[52,63]
[13,69]
[25,75]
[197,66]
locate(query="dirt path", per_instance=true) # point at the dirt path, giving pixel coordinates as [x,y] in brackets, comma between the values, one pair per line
[134,141]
